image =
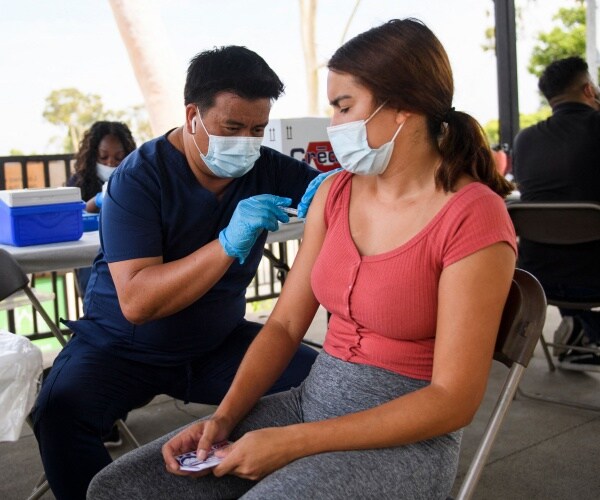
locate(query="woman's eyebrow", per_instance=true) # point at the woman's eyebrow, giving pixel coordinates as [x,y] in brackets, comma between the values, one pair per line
[337,100]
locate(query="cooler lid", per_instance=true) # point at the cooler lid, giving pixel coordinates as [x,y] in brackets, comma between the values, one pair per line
[40,196]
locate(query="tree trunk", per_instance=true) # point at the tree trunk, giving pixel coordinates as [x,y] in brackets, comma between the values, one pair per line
[308,18]
[146,40]
[75,138]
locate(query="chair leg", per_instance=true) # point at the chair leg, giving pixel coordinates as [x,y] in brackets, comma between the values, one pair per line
[40,309]
[557,401]
[42,486]
[472,476]
[127,433]
[40,489]
[547,353]
[548,399]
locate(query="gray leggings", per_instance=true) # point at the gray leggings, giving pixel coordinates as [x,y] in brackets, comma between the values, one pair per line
[421,470]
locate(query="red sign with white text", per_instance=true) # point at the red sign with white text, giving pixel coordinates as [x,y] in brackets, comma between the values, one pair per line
[321,155]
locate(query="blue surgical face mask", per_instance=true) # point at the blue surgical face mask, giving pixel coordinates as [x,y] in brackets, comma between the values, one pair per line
[229,156]
[104,171]
[352,150]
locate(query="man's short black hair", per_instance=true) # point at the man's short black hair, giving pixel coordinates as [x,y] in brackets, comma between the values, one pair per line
[560,75]
[229,69]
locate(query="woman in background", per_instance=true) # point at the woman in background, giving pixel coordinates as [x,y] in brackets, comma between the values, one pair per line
[412,251]
[102,149]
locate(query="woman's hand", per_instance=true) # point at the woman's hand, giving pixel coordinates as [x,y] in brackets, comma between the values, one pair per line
[200,437]
[257,453]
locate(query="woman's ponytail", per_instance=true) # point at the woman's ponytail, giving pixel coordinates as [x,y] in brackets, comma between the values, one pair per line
[465,150]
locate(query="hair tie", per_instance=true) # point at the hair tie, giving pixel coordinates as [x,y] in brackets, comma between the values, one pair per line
[448,115]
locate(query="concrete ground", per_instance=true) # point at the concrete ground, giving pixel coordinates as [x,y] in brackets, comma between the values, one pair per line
[543,451]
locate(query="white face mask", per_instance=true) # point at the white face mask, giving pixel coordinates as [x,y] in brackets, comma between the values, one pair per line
[104,171]
[352,150]
[229,157]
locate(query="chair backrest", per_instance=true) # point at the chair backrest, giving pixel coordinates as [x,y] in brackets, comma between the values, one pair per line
[12,277]
[522,321]
[556,223]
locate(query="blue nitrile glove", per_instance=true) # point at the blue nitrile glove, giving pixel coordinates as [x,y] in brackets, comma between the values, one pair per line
[250,218]
[309,194]
[98,199]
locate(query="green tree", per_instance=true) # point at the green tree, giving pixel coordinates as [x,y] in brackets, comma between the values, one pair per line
[492,128]
[74,112]
[565,40]
[136,118]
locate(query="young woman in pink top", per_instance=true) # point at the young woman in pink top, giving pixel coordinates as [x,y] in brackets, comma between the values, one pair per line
[412,251]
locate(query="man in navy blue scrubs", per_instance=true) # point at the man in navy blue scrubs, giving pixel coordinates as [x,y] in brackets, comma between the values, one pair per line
[184,222]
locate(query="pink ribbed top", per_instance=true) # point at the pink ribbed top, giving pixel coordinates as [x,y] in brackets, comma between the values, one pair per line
[384,307]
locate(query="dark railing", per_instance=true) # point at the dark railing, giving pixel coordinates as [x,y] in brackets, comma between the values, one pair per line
[40,171]
[37,171]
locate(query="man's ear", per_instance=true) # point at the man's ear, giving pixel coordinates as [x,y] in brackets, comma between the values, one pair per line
[591,95]
[190,118]
[589,91]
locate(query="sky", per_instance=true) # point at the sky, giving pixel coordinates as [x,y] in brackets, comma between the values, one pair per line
[49,45]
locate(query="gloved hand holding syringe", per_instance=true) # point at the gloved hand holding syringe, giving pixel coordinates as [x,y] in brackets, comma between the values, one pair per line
[250,218]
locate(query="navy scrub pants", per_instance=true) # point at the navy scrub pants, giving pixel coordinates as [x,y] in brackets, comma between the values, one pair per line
[88,389]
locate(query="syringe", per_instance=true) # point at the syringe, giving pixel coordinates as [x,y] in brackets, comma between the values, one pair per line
[290,211]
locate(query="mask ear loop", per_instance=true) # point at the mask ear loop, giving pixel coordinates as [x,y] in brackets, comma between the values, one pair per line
[201,122]
[206,131]
[375,112]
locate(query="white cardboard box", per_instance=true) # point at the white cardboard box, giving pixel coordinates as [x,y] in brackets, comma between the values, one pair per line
[302,138]
[40,196]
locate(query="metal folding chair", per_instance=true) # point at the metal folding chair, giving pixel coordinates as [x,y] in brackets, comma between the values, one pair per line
[15,289]
[12,281]
[520,328]
[558,224]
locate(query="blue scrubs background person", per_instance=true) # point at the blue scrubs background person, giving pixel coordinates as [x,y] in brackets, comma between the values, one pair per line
[184,221]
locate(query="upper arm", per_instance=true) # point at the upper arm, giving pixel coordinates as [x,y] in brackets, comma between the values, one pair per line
[471,296]
[297,305]
[131,222]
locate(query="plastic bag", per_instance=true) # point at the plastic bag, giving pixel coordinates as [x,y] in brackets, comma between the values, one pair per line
[20,370]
